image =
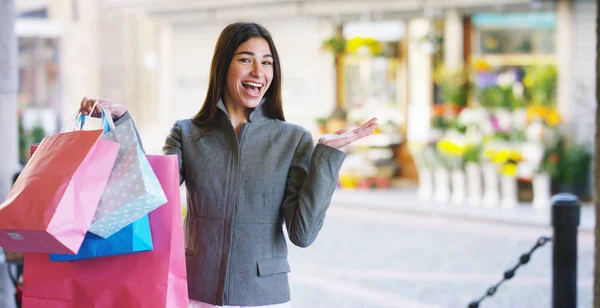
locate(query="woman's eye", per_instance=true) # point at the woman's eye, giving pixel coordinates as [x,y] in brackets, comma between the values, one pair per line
[267,63]
[245,60]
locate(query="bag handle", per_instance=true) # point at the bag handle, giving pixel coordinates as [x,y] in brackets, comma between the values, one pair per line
[106,118]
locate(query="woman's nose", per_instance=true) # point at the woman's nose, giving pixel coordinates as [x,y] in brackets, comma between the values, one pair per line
[257,71]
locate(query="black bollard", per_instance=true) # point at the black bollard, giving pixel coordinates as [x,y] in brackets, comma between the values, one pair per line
[565,220]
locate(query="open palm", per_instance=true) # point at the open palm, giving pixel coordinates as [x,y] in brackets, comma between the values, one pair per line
[341,138]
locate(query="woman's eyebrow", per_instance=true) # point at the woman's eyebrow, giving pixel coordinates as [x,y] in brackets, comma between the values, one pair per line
[250,53]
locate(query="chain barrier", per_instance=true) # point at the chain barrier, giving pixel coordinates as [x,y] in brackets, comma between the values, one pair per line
[510,273]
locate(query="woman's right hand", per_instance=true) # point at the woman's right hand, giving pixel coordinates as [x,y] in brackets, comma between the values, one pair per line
[116,110]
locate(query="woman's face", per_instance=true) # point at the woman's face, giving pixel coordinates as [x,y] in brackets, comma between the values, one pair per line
[250,73]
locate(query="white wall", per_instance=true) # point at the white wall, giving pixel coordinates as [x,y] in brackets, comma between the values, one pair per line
[79,53]
[581,118]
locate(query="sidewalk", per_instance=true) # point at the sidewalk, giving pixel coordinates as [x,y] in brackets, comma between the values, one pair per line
[406,200]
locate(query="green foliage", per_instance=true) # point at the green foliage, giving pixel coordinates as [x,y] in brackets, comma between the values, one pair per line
[574,165]
[540,84]
[453,85]
[473,153]
[335,44]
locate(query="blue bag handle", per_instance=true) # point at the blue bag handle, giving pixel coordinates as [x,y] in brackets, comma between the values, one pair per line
[106,118]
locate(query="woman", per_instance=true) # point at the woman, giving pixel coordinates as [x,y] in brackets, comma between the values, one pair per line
[247,172]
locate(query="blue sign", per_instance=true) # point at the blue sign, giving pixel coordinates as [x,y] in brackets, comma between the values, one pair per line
[545,20]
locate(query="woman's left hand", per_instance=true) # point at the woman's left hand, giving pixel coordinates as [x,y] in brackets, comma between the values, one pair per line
[341,138]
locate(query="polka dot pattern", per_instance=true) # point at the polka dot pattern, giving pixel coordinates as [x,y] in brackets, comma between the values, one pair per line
[132,190]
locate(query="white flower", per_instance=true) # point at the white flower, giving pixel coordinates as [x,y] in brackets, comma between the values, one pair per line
[533,152]
[506,79]
[550,137]
[504,118]
[534,131]
[474,135]
[518,90]
[519,118]
[435,134]
[487,128]
[467,117]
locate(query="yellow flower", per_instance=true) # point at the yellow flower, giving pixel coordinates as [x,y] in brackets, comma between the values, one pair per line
[488,153]
[501,156]
[349,181]
[355,44]
[537,112]
[507,155]
[515,156]
[553,118]
[481,65]
[528,81]
[509,169]
[450,148]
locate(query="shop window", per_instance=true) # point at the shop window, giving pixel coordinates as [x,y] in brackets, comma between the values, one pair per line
[39,90]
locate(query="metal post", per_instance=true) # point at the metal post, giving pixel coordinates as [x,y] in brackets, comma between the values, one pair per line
[9,67]
[8,125]
[565,220]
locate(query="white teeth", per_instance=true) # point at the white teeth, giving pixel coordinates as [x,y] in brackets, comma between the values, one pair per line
[249,83]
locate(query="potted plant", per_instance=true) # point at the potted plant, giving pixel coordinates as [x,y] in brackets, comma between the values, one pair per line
[507,159]
[322,124]
[425,159]
[453,87]
[473,174]
[336,44]
[453,148]
[574,167]
[542,179]
[540,84]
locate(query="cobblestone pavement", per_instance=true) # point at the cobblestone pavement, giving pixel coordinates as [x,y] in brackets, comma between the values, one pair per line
[367,257]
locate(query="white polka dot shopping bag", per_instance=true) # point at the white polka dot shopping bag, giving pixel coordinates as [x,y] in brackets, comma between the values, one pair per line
[132,190]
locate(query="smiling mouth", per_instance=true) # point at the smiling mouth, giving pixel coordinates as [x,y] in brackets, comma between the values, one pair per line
[252,86]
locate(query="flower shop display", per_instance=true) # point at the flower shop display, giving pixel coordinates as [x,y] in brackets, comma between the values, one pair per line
[473,175]
[424,156]
[472,119]
[574,167]
[491,180]
[506,160]
[452,148]
[441,185]
[453,86]
[541,152]
[509,132]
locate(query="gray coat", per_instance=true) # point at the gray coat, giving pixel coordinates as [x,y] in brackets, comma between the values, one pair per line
[240,192]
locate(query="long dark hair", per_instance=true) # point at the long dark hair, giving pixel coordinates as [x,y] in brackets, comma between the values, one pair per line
[230,39]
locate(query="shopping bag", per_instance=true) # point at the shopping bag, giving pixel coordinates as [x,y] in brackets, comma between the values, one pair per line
[154,279]
[133,189]
[52,203]
[135,237]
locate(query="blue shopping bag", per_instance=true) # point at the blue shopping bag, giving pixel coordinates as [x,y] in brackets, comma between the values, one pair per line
[135,237]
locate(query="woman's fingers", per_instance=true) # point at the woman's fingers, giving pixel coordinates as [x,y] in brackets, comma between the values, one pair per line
[366,125]
[370,122]
[340,131]
[368,128]
[83,106]
[88,103]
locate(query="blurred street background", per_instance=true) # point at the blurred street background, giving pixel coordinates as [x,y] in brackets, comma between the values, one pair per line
[486,110]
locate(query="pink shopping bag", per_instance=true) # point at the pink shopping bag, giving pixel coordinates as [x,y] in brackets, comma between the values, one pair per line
[154,279]
[53,202]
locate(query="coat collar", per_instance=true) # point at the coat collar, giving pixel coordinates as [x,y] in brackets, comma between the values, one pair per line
[258,114]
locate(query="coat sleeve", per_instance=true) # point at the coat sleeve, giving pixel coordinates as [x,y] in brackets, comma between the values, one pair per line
[173,146]
[311,181]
